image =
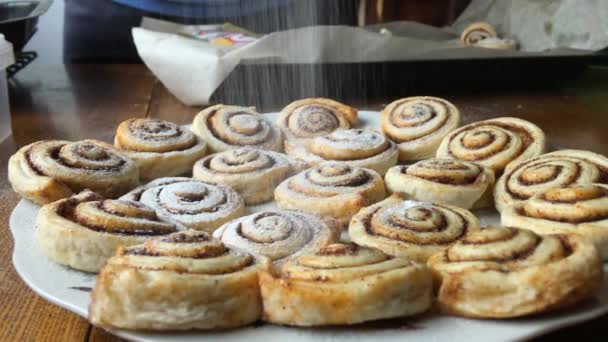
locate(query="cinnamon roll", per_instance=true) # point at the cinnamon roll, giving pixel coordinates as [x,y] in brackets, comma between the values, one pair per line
[417,125]
[280,234]
[355,147]
[411,229]
[332,190]
[311,118]
[501,272]
[494,143]
[477,32]
[49,170]
[183,281]
[344,284]
[84,230]
[460,183]
[160,148]
[557,169]
[252,172]
[228,127]
[579,209]
[192,203]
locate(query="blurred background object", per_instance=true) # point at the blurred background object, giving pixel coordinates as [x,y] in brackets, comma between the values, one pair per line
[431,12]
[19,19]
[6,59]
[18,23]
[99,31]
[87,20]
[88,37]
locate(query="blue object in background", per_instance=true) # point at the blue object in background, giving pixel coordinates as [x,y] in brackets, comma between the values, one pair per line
[100,30]
[204,9]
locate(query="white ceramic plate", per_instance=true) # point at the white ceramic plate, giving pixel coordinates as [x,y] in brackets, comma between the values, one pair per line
[70,289]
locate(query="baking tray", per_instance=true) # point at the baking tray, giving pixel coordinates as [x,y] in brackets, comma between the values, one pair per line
[364,83]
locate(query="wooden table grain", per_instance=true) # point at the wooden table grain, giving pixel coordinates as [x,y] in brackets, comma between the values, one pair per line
[88,101]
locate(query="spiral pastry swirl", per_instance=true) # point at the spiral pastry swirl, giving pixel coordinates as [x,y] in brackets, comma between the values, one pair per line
[47,171]
[228,127]
[460,183]
[186,280]
[579,209]
[195,204]
[417,125]
[83,231]
[160,148]
[252,172]
[332,190]
[411,229]
[551,170]
[494,143]
[311,118]
[354,147]
[501,272]
[311,290]
[278,235]
[477,32]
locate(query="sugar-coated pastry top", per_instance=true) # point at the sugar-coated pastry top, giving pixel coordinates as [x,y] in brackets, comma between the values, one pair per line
[153,135]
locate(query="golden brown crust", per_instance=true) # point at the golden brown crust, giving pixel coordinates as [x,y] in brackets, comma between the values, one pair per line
[227,127]
[494,143]
[507,272]
[253,173]
[579,209]
[411,229]
[333,190]
[160,148]
[344,284]
[47,171]
[417,125]
[557,169]
[460,183]
[186,280]
[83,231]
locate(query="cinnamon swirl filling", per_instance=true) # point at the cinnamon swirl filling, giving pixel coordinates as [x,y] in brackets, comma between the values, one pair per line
[445,171]
[188,251]
[409,228]
[116,217]
[506,248]
[239,128]
[152,135]
[353,144]
[277,235]
[415,118]
[310,118]
[494,143]
[575,204]
[194,204]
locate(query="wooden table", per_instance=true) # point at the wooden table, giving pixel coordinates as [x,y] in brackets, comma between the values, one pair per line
[75,102]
